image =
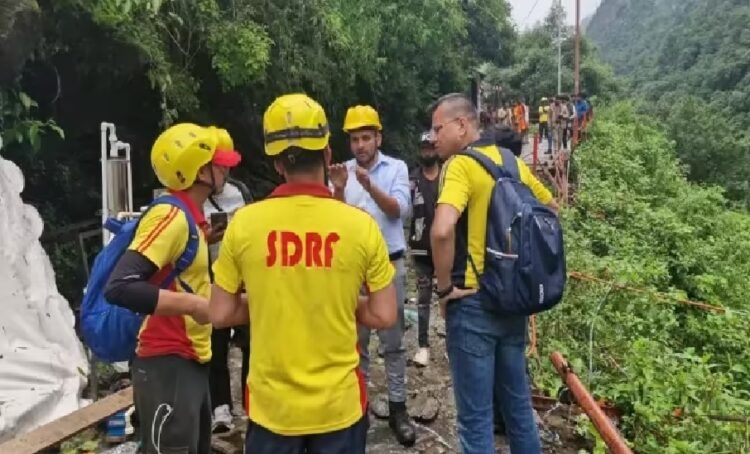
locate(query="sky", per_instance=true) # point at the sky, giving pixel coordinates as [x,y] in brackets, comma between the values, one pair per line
[525,16]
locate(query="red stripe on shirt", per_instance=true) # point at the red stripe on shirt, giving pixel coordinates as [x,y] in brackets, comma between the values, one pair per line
[157,230]
[362,385]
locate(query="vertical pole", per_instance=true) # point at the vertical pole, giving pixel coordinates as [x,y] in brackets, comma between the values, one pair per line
[559,47]
[578,48]
[104,155]
[535,154]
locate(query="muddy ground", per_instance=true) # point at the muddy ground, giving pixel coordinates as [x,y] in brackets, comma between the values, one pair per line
[427,387]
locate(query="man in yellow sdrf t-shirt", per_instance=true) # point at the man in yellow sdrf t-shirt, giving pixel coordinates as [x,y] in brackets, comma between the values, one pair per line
[302,257]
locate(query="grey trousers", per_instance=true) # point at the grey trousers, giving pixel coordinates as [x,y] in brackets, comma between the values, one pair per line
[173,403]
[392,340]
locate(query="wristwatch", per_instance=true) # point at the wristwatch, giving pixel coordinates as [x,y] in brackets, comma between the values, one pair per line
[444,292]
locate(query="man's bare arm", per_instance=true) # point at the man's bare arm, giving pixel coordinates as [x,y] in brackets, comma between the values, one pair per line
[379,310]
[227,309]
[442,238]
[552,205]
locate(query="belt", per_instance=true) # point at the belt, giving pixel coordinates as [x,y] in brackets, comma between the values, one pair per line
[396,255]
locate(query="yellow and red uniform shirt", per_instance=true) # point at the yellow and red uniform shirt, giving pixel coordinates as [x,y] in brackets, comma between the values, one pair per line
[161,237]
[303,257]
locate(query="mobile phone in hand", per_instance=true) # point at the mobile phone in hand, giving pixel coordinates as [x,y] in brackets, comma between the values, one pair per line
[219,220]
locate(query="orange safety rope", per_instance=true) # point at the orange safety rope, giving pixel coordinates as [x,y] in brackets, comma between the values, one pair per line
[533,338]
[659,295]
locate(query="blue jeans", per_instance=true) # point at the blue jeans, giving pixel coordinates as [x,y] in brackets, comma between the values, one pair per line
[487,356]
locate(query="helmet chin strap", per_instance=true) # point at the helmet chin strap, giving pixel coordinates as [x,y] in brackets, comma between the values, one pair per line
[212,185]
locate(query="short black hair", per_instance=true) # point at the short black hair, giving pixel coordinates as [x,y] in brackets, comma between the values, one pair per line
[297,160]
[459,105]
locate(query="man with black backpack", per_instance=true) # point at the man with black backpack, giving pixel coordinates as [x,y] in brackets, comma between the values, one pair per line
[486,349]
[170,368]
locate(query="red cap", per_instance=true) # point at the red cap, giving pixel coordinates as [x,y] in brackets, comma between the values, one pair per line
[226,158]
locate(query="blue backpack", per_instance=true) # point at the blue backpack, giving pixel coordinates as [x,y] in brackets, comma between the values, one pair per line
[524,260]
[111,331]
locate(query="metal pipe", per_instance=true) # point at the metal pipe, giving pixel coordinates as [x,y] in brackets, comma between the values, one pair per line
[578,48]
[559,47]
[105,128]
[609,433]
[129,172]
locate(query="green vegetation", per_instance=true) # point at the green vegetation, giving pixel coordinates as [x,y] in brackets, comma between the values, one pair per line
[638,222]
[689,62]
[142,64]
[533,72]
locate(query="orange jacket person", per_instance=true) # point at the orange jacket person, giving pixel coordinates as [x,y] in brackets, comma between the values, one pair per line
[519,113]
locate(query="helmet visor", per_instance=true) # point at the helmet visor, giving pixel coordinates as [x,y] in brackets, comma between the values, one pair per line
[226,158]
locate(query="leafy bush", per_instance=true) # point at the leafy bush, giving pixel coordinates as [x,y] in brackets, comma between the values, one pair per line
[637,221]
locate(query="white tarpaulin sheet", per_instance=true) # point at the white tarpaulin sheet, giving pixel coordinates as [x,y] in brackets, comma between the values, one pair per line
[43,366]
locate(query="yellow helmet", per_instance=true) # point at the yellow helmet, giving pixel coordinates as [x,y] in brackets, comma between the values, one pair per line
[359,117]
[180,151]
[295,120]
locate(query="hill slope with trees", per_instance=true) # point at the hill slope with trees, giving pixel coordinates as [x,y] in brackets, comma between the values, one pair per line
[689,62]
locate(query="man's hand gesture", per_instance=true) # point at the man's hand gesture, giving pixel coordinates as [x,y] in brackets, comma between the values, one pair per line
[338,175]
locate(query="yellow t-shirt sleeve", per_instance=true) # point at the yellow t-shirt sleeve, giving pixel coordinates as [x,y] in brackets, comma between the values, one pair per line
[161,235]
[454,183]
[379,272]
[226,272]
[537,188]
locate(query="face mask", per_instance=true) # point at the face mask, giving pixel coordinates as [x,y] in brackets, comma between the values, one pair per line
[428,160]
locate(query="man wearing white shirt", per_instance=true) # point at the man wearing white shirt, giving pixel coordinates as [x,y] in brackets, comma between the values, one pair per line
[379,184]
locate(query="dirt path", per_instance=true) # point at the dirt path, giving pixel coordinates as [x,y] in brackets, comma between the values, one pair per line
[424,384]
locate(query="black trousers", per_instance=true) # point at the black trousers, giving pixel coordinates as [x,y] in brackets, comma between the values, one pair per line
[425,271]
[221,392]
[173,403]
[351,440]
[543,131]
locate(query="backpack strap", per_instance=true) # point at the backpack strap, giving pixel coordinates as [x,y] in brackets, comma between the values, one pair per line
[215,205]
[509,163]
[191,248]
[246,195]
[509,168]
[487,164]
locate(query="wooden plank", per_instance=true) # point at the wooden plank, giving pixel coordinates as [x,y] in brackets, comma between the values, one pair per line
[57,431]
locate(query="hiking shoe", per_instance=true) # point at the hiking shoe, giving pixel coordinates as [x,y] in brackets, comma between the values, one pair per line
[401,425]
[222,421]
[422,358]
